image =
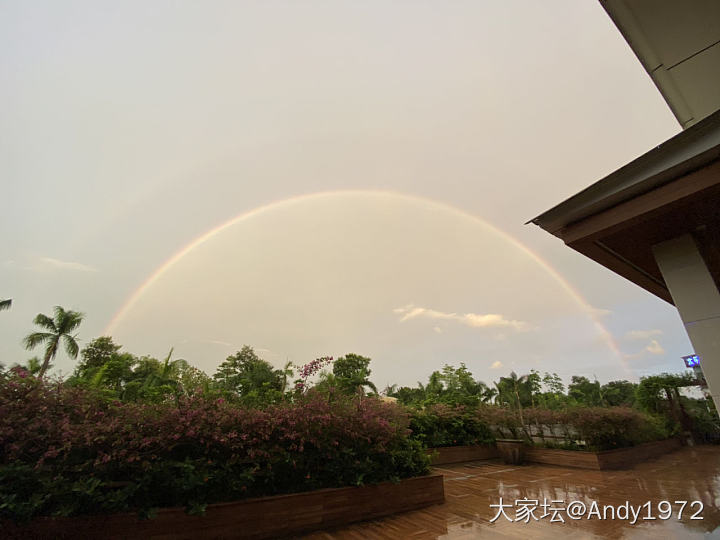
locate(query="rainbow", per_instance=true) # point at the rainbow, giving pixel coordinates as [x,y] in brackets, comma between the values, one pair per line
[284,203]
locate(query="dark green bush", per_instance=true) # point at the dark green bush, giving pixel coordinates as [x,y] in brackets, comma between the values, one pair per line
[443,425]
[606,428]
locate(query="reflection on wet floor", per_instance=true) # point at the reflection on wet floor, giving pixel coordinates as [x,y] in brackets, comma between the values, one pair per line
[689,474]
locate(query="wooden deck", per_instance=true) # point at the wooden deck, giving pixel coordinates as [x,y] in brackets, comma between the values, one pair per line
[688,474]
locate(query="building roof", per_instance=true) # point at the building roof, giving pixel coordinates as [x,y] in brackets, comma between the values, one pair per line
[678,44]
[687,151]
[671,190]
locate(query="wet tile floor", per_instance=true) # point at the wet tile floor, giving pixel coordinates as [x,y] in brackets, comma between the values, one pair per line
[689,474]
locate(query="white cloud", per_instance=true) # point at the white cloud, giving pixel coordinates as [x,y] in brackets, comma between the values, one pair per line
[497,364]
[48,263]
[218,342]
[654,348]
[642,334]
[474,320]
[599,312]
[437,329]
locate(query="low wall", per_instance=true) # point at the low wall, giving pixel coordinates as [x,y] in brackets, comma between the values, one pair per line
[609,459]
[267,517]
[443,455]
[627,457]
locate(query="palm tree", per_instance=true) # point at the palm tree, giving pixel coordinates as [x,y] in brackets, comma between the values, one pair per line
[5,304]
[57,328]
[168,375]
[286,372]
[509,389]
[390,389]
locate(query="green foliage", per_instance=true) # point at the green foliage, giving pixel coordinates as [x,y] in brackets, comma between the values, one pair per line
[96,354]
[516,392]
[584,392]
[619,393]
[452,386]
[57,329]
[123,376]
[443,425]
[654,394]
[659,394]
[253,380]
[352,373]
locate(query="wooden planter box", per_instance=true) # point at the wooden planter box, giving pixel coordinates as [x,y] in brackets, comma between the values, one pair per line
[266,517]
[621,458]
[444,455]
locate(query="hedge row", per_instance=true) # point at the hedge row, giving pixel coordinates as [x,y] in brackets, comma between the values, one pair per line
[66,451]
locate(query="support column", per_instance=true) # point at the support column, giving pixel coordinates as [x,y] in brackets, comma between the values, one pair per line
[697,299]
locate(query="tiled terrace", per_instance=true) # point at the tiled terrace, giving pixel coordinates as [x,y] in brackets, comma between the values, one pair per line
[689,474]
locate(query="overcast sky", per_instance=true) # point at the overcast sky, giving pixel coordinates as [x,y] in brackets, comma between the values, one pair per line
[382,158]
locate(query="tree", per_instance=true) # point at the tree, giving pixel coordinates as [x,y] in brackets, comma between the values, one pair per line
[585,392]
[553,383]
[287,372]
[516,392]
[164,379]
[249,376]
[57,328]
[553,396]
[95,355]
[5,304]
[616,393]
[459,387]
[352,373]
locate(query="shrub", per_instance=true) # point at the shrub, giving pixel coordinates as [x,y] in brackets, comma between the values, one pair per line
[615,427]
[443,425]
[501,421]
[67,451]
[601,428]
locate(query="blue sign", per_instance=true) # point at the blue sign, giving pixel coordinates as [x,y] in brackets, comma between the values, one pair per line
[692,360]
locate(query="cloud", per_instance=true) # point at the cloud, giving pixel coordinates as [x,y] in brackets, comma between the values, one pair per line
[48,263]
[654,348]
[474,320]
[437,329]
[642,334]
[599,312]
[497,364]
[218,342]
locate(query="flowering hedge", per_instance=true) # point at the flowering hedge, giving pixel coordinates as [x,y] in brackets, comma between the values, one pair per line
[599,428]
[67,451]
[443,425]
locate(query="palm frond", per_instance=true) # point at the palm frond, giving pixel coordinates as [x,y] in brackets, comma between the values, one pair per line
[370,385]
[97,379]
[5,304]
[45,322]
[33,340]
[67,321]
[71,346]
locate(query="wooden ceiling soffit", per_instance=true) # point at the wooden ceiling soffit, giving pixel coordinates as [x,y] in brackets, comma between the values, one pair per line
[624,215]
[613,261]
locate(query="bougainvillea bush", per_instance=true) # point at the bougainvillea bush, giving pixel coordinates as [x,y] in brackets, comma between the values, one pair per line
[66,451]
[581,428]
[445,425]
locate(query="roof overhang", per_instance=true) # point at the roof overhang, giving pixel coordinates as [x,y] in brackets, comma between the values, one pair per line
[671,190]
[678,44]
